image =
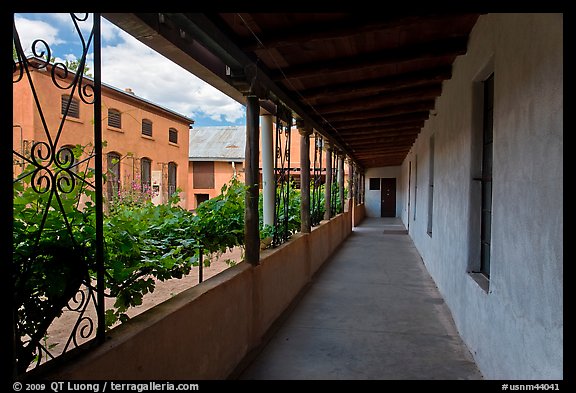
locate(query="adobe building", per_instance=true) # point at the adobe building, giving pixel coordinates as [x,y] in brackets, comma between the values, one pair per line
[216,155]
[455,120]
[145,146]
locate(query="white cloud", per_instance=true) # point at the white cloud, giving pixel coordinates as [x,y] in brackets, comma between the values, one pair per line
[129,63]
[31,30]
[126,62]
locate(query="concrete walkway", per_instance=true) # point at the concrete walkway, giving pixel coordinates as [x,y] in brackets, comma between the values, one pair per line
[372,312]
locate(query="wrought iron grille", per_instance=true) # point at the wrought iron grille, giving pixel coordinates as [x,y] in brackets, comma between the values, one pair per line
[283,182]
[57,207]
[355,186]
[317,205]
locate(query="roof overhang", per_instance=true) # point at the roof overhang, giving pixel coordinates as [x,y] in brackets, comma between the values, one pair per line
[366,82]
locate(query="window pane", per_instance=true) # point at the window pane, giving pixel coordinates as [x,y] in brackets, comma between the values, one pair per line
[171,178]
[114,118]
[374,183]
[73,110]
[173,135]
[113,173]
[146,174]
[146,127]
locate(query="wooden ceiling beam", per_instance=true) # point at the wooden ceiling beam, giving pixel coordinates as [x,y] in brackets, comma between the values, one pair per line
[306,34]
[414,94]
[392,82]
[363,124]
[388,111]
[376,125]
[394,142]
[452,46]
[350,140]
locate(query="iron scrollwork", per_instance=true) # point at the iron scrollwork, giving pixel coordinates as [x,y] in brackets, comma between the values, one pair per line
[283,181]
[317,205]
[55,235]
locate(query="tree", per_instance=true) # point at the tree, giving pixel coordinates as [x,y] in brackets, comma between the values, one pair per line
[70,65]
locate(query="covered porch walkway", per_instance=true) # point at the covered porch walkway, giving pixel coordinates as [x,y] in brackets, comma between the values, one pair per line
[372,312]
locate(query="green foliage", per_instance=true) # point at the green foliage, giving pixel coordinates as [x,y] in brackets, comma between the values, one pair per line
[220,220]
[53,240]
[143,243]
[54,246]
[54,243]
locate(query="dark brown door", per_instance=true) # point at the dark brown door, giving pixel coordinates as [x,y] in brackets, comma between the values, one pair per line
[388,198]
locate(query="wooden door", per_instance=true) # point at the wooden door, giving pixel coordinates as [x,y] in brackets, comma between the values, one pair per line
[388,197]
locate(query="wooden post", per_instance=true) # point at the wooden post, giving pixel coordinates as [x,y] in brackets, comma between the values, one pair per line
[251,230]
[341,180]
[328,182]
[305,220]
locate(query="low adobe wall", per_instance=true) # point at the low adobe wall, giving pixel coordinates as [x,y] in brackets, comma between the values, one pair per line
[359,212]
[206,331]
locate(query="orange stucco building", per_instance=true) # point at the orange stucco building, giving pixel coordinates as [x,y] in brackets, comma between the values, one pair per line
[145,145]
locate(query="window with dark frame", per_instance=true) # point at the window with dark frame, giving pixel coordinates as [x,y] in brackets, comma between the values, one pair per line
[114,118]
[113,175]
[173,135]
[73,110]
[374,183]
[200,198]
[486,177]
[171,178]
[430,187]
[146,174]
[146,127]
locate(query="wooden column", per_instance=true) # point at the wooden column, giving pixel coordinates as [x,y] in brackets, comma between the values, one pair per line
[251,230]
[350,179]
[328,183]
[305,220]
[341,180]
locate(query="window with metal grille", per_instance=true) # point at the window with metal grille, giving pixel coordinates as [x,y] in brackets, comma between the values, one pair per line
[203,174]
[171,178]
[146,174]
[114,118]
[73,110]
[173,135]
[374,183]
[146,127]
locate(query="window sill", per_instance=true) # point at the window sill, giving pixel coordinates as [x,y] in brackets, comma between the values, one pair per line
[73,119]
[173,144]
[115,129]
[481,279]
[147,137]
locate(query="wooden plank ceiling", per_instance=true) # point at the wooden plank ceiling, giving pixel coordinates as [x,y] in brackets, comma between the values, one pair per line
[370,80]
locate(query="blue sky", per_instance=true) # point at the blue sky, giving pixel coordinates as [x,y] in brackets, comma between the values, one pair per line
[127,63]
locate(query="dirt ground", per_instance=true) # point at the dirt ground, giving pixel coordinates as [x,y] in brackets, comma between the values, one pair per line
[59,331]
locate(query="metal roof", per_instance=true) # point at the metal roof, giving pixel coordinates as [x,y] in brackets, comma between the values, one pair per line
[217,143]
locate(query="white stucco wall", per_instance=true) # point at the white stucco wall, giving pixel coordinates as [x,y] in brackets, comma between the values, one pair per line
[515,331]
[373,196]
